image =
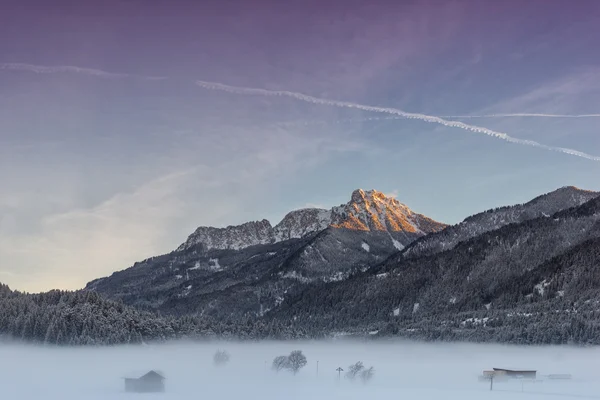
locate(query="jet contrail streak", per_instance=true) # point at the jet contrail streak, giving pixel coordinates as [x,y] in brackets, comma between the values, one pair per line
[393,111]
[44,69]
[366,119]
[532,115]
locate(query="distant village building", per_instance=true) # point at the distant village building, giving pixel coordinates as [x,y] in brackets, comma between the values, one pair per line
[513,373]
[149,383]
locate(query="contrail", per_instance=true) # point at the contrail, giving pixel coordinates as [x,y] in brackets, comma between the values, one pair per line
[393,111]
[532,115]
[336,121]
[367,119]
[44,69]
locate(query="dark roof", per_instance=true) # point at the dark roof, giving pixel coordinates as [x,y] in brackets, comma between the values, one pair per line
[152,376]
[515,370]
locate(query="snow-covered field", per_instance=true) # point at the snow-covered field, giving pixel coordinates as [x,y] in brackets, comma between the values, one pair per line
[402,371]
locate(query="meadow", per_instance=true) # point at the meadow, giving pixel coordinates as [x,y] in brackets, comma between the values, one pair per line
[403,370]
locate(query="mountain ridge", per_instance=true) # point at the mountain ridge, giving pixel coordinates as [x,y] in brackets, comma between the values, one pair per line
[544,205]
[524,274]
[259,265]
[483,276]
[369,210]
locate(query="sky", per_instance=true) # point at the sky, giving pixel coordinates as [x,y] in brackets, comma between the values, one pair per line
[126,124]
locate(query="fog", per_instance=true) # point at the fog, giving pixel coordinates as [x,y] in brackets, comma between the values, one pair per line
[402,371]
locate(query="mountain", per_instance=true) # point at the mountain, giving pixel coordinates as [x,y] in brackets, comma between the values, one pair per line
[374,211]
[232,237]
[299,223]
[542,206]
[525,274]
[501,285]
[367,211]
[252,268]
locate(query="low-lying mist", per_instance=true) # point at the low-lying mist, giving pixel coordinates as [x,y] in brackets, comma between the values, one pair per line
[401,371]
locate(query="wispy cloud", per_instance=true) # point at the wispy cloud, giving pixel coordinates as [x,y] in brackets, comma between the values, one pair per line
[81,244]
[393,194]
[554,98]
[312,205]
[335,103]
[44,69]
[387,110]
[67,249]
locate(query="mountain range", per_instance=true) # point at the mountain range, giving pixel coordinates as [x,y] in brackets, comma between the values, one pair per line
[366,211]
[253,267]
[525,265]
[526,273]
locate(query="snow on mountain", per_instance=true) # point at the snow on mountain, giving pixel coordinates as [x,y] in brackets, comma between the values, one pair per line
[231,237]
[542,206]
[254,268]
[300,223]
[374,211]
[366,211]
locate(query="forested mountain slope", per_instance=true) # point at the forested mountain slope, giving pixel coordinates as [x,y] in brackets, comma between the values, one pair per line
[498,271]
[542,206]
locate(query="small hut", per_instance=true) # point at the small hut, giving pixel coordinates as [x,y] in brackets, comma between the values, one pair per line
[148,383]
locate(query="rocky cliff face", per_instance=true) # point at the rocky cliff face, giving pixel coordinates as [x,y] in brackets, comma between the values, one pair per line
[374,211]
[366,211]
[300,223]
[233,237]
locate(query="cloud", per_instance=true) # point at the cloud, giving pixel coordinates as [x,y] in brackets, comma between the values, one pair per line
[387,110]
[565,87]
[44,69]
[79,245]
[393,194]
[67,249]
[312,205]
[554,99]
[74,247]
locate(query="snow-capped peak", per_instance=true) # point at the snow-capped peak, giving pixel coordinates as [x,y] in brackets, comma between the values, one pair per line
[366,211]
[373,210]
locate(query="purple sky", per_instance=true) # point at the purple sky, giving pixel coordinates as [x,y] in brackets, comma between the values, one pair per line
[101,167]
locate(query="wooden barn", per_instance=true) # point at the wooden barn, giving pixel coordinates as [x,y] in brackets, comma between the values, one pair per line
[515,373]
[148,383]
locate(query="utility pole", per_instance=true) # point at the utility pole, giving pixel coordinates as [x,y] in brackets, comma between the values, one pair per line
[317,368]
[339,370]
[492,382]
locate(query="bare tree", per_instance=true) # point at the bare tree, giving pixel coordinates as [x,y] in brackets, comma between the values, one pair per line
[221,357]
[296,361]
[354,370]
[367,374]
[279,363]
